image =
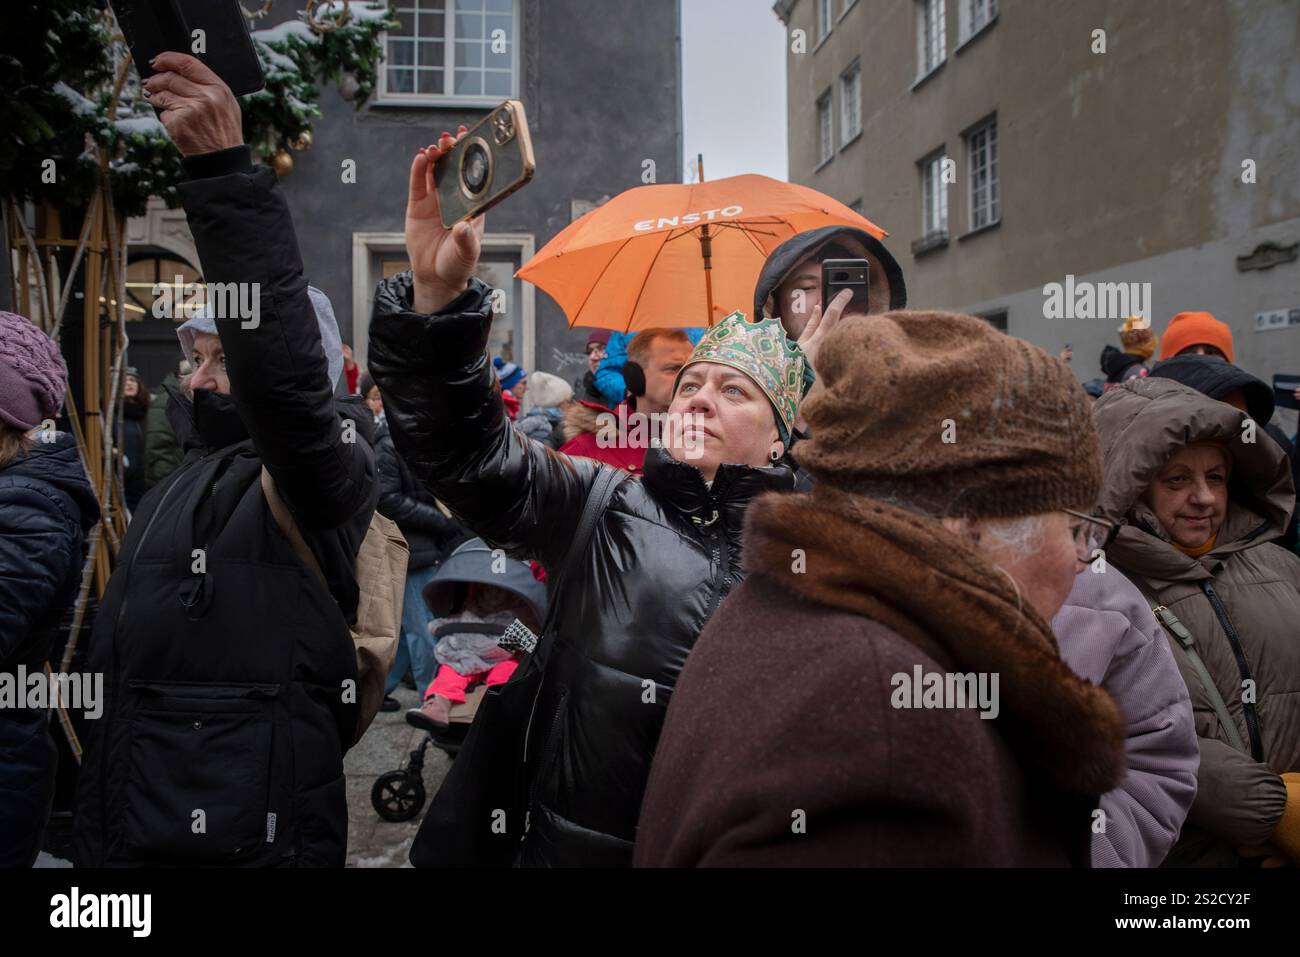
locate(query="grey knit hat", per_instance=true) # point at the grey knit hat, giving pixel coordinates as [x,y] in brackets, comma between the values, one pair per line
[33,375]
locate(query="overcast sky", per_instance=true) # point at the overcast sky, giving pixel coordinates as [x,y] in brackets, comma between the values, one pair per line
[733,88]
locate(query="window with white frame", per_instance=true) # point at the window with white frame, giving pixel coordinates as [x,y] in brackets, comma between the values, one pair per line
[931,35]
[451,51]
[850,104]
[981,12]
[934,198]
[974,16]
[982,164]
[823,19]
[825,128]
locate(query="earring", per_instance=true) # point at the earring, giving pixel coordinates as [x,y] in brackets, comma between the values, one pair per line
[774,455]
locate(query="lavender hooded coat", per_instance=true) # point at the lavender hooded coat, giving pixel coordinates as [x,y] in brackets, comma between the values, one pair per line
[1108,635]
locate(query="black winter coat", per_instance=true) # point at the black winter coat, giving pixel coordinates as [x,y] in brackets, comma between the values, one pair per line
[431,535]
[663,555]
[46,508]
[133,454]
[226,679]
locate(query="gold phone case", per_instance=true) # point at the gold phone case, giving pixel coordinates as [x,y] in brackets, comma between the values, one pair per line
[503,137]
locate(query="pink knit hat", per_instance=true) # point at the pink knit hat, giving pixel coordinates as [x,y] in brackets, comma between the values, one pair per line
[33,376]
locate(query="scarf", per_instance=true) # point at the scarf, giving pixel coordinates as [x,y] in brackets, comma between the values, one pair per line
[1205,547]
[933,589]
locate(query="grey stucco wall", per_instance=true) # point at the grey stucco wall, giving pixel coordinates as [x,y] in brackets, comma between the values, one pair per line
[602,92]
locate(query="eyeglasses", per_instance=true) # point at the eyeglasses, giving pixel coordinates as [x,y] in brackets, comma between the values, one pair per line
[1090,534]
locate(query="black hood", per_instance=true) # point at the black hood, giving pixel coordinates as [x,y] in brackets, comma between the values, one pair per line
[802,245]
[58,464]
[1218,378]
[1116,364]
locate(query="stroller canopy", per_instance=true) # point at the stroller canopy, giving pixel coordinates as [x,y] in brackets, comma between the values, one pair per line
[472,563]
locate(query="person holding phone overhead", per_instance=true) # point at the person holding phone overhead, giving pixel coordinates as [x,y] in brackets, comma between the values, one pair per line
[663,549]
[227,663]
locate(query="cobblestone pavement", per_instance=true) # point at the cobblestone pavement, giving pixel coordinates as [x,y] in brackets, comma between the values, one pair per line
[372,841]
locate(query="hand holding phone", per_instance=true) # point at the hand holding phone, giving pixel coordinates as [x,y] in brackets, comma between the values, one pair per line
[442,258]
[850,274]
[194,104]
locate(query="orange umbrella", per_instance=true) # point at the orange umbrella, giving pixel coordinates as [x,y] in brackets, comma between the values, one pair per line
[678,254]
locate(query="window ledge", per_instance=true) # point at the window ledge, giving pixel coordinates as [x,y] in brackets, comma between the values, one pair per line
[929,244]
[849,142]
[846,11]
[826,36]
[438,103]
[824,163]
[925,77]
[982,229]
[974,36]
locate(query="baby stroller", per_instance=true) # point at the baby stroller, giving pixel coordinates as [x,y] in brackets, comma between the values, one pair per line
[475,597]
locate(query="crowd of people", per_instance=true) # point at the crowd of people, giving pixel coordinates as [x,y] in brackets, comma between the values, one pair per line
[898,591]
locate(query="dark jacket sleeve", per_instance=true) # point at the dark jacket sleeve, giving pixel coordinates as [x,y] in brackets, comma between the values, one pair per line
[276,363]
[37,547]
[396,501]
[450,427]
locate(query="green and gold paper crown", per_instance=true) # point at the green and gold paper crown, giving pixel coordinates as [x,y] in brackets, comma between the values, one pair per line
[763,352]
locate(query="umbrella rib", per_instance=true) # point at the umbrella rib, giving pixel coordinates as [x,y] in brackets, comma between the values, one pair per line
[644,284]
[604,269]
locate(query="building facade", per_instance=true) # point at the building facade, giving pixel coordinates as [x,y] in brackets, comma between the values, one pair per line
[1142,157]
[601,97]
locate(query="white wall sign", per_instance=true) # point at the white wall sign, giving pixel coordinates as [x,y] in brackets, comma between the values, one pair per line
[1277,319]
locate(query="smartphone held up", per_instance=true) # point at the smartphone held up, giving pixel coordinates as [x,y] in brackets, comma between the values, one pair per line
[214,31]
[487,164]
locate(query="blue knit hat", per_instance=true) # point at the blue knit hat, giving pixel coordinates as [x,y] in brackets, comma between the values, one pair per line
[508,373]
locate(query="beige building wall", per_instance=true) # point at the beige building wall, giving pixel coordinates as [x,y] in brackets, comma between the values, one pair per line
[1123,166]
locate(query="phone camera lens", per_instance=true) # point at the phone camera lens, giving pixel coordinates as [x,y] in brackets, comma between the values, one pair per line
[474,170]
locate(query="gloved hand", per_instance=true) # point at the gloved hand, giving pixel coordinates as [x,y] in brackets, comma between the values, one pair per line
[1287,833]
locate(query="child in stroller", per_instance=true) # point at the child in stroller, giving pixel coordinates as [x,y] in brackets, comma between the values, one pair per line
[474,596]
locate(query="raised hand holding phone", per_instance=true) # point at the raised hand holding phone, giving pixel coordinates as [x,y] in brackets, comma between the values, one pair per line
[196,106]
[442,259]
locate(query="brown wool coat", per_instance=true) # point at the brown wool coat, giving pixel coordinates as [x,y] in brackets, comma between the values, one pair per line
[1239,800]
[781,747]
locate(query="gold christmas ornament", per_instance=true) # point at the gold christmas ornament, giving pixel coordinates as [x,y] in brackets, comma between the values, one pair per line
[349,86]
[282,163]
[303,141]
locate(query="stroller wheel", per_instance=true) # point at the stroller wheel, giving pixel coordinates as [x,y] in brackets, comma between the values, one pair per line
[397,796]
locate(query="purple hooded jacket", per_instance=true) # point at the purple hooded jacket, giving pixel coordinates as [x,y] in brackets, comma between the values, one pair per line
[1108,635]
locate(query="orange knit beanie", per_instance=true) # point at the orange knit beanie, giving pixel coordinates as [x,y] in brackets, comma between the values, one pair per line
[1189,329]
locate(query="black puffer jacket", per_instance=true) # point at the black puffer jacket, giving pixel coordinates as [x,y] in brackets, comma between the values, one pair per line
[663,555]
[46,508]
[431,535]
[227,678]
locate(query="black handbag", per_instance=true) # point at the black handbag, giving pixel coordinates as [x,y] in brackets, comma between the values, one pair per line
[477,818]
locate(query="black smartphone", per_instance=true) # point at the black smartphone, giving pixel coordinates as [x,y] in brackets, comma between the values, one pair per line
[840,274]
[214,31]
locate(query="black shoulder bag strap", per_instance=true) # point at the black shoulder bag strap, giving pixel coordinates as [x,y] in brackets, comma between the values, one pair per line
[1188,644]
[518,637]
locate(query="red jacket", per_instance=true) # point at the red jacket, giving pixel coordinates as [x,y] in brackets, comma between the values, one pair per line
[622,455]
